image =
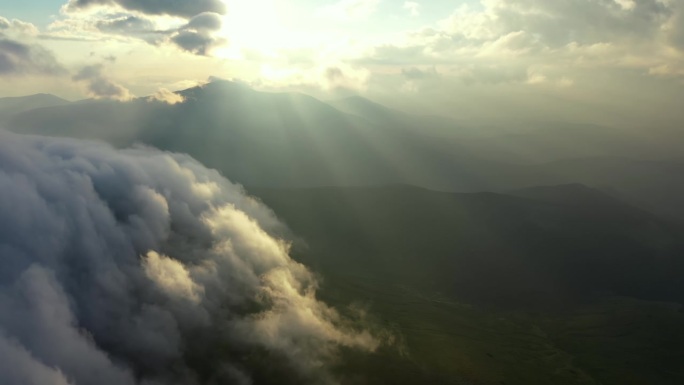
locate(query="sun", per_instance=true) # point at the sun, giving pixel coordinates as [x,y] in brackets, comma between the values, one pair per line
[256,26]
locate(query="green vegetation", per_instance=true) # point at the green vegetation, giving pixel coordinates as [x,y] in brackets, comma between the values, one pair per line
[612,340]
[494,289]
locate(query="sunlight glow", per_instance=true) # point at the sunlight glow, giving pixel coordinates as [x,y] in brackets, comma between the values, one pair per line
[255,26]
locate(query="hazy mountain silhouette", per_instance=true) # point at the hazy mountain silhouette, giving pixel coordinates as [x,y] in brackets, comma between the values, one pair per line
[16,105]
[573,194]
[258,138]
[294,140]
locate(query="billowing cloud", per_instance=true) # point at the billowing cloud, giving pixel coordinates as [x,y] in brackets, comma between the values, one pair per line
[556,24]
[181,8]
[99,86]
[18,27]
[165,96]
[17,58]
[524,34]
[142,267]
[198,34]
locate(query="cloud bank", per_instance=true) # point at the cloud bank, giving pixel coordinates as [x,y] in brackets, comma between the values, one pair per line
[155,7]
[143,267]
[192,26]
[20,58]
[17,58]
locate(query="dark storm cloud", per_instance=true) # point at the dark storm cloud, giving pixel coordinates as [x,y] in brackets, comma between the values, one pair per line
[183,8]
[17,58]
[129,267]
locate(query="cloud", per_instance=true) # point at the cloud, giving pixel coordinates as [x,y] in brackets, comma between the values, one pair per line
[675,28]
[186,9]
[143,267]
[18,27]
[556,24]
[575,36]
[17,58]
[206,21]
[165,96]
[126,25]
[99,86]
[18,366]
[198,34]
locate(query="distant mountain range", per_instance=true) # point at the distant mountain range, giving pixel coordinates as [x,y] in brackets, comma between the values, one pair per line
[291,140]
[16,105]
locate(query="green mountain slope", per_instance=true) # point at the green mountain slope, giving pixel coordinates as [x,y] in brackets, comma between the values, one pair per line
[496,289]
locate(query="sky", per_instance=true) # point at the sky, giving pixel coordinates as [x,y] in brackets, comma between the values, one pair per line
[613,62]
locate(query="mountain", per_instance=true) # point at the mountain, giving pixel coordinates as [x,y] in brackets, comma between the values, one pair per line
[656,186]
[429,126]
[259,138]
[290,140]
[560,284]
[557,141]
[533,249]
[16,105]
[368,109]
[575,194]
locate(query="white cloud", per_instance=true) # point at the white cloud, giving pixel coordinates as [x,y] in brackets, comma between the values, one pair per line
[172,277]
[571,36]
[17,27]
[79,305]
[165,96]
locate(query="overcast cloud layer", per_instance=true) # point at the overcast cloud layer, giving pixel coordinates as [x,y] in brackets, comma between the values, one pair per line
[122,267]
